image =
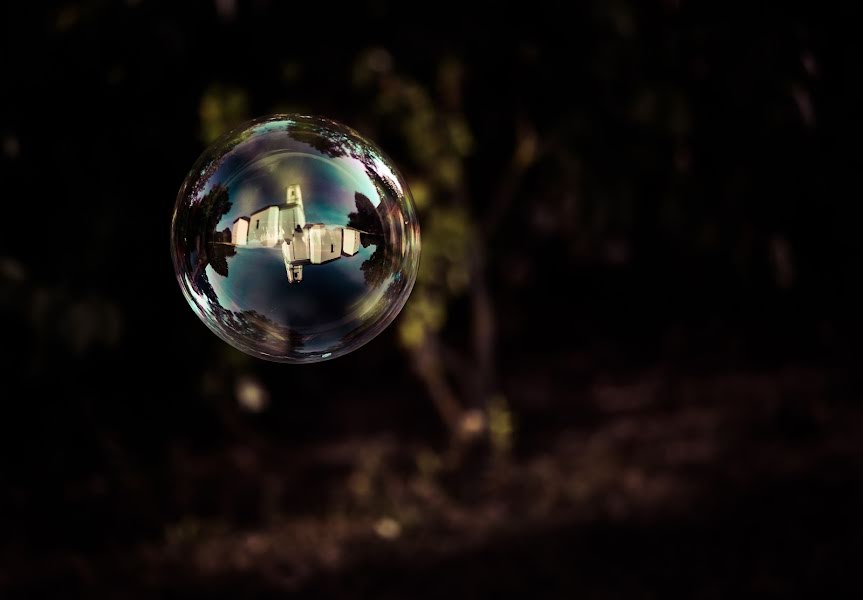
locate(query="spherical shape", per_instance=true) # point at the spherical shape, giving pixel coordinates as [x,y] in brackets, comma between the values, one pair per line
[294,239]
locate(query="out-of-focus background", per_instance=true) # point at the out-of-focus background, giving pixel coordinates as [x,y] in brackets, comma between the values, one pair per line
[629,368]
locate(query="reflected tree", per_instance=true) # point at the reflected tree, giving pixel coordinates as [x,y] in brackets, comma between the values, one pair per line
[219,250]
[374,231]
[206,246]
[366,218]
[213,206]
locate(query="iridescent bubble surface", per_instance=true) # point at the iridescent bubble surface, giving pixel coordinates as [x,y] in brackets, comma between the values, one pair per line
[294,239]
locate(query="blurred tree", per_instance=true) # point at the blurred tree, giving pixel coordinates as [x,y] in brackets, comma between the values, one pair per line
[221,109]
[438,141]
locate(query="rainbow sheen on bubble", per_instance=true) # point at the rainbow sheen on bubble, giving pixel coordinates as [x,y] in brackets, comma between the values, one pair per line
[294,239]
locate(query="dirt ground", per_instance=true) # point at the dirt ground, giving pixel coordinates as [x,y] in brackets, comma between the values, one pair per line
[658,484]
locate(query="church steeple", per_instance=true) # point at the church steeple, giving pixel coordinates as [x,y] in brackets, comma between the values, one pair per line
[294,195]
[292,214]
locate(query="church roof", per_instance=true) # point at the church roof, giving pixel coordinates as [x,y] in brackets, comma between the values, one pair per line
[268,206]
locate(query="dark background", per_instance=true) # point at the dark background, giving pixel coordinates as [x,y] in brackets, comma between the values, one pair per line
[629,366]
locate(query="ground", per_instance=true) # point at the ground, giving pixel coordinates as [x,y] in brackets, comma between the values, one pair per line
[656,483]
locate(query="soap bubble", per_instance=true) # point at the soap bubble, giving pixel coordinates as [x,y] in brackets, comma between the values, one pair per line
[294,239]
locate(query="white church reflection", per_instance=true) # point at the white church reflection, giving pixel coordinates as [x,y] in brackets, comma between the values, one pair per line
[302,243]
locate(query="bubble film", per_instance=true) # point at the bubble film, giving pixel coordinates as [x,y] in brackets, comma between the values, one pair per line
[294,239]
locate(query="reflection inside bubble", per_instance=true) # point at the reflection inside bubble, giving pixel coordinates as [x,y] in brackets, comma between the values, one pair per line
[295,240]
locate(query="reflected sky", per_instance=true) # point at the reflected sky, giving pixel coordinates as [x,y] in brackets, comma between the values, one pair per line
[329,294]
